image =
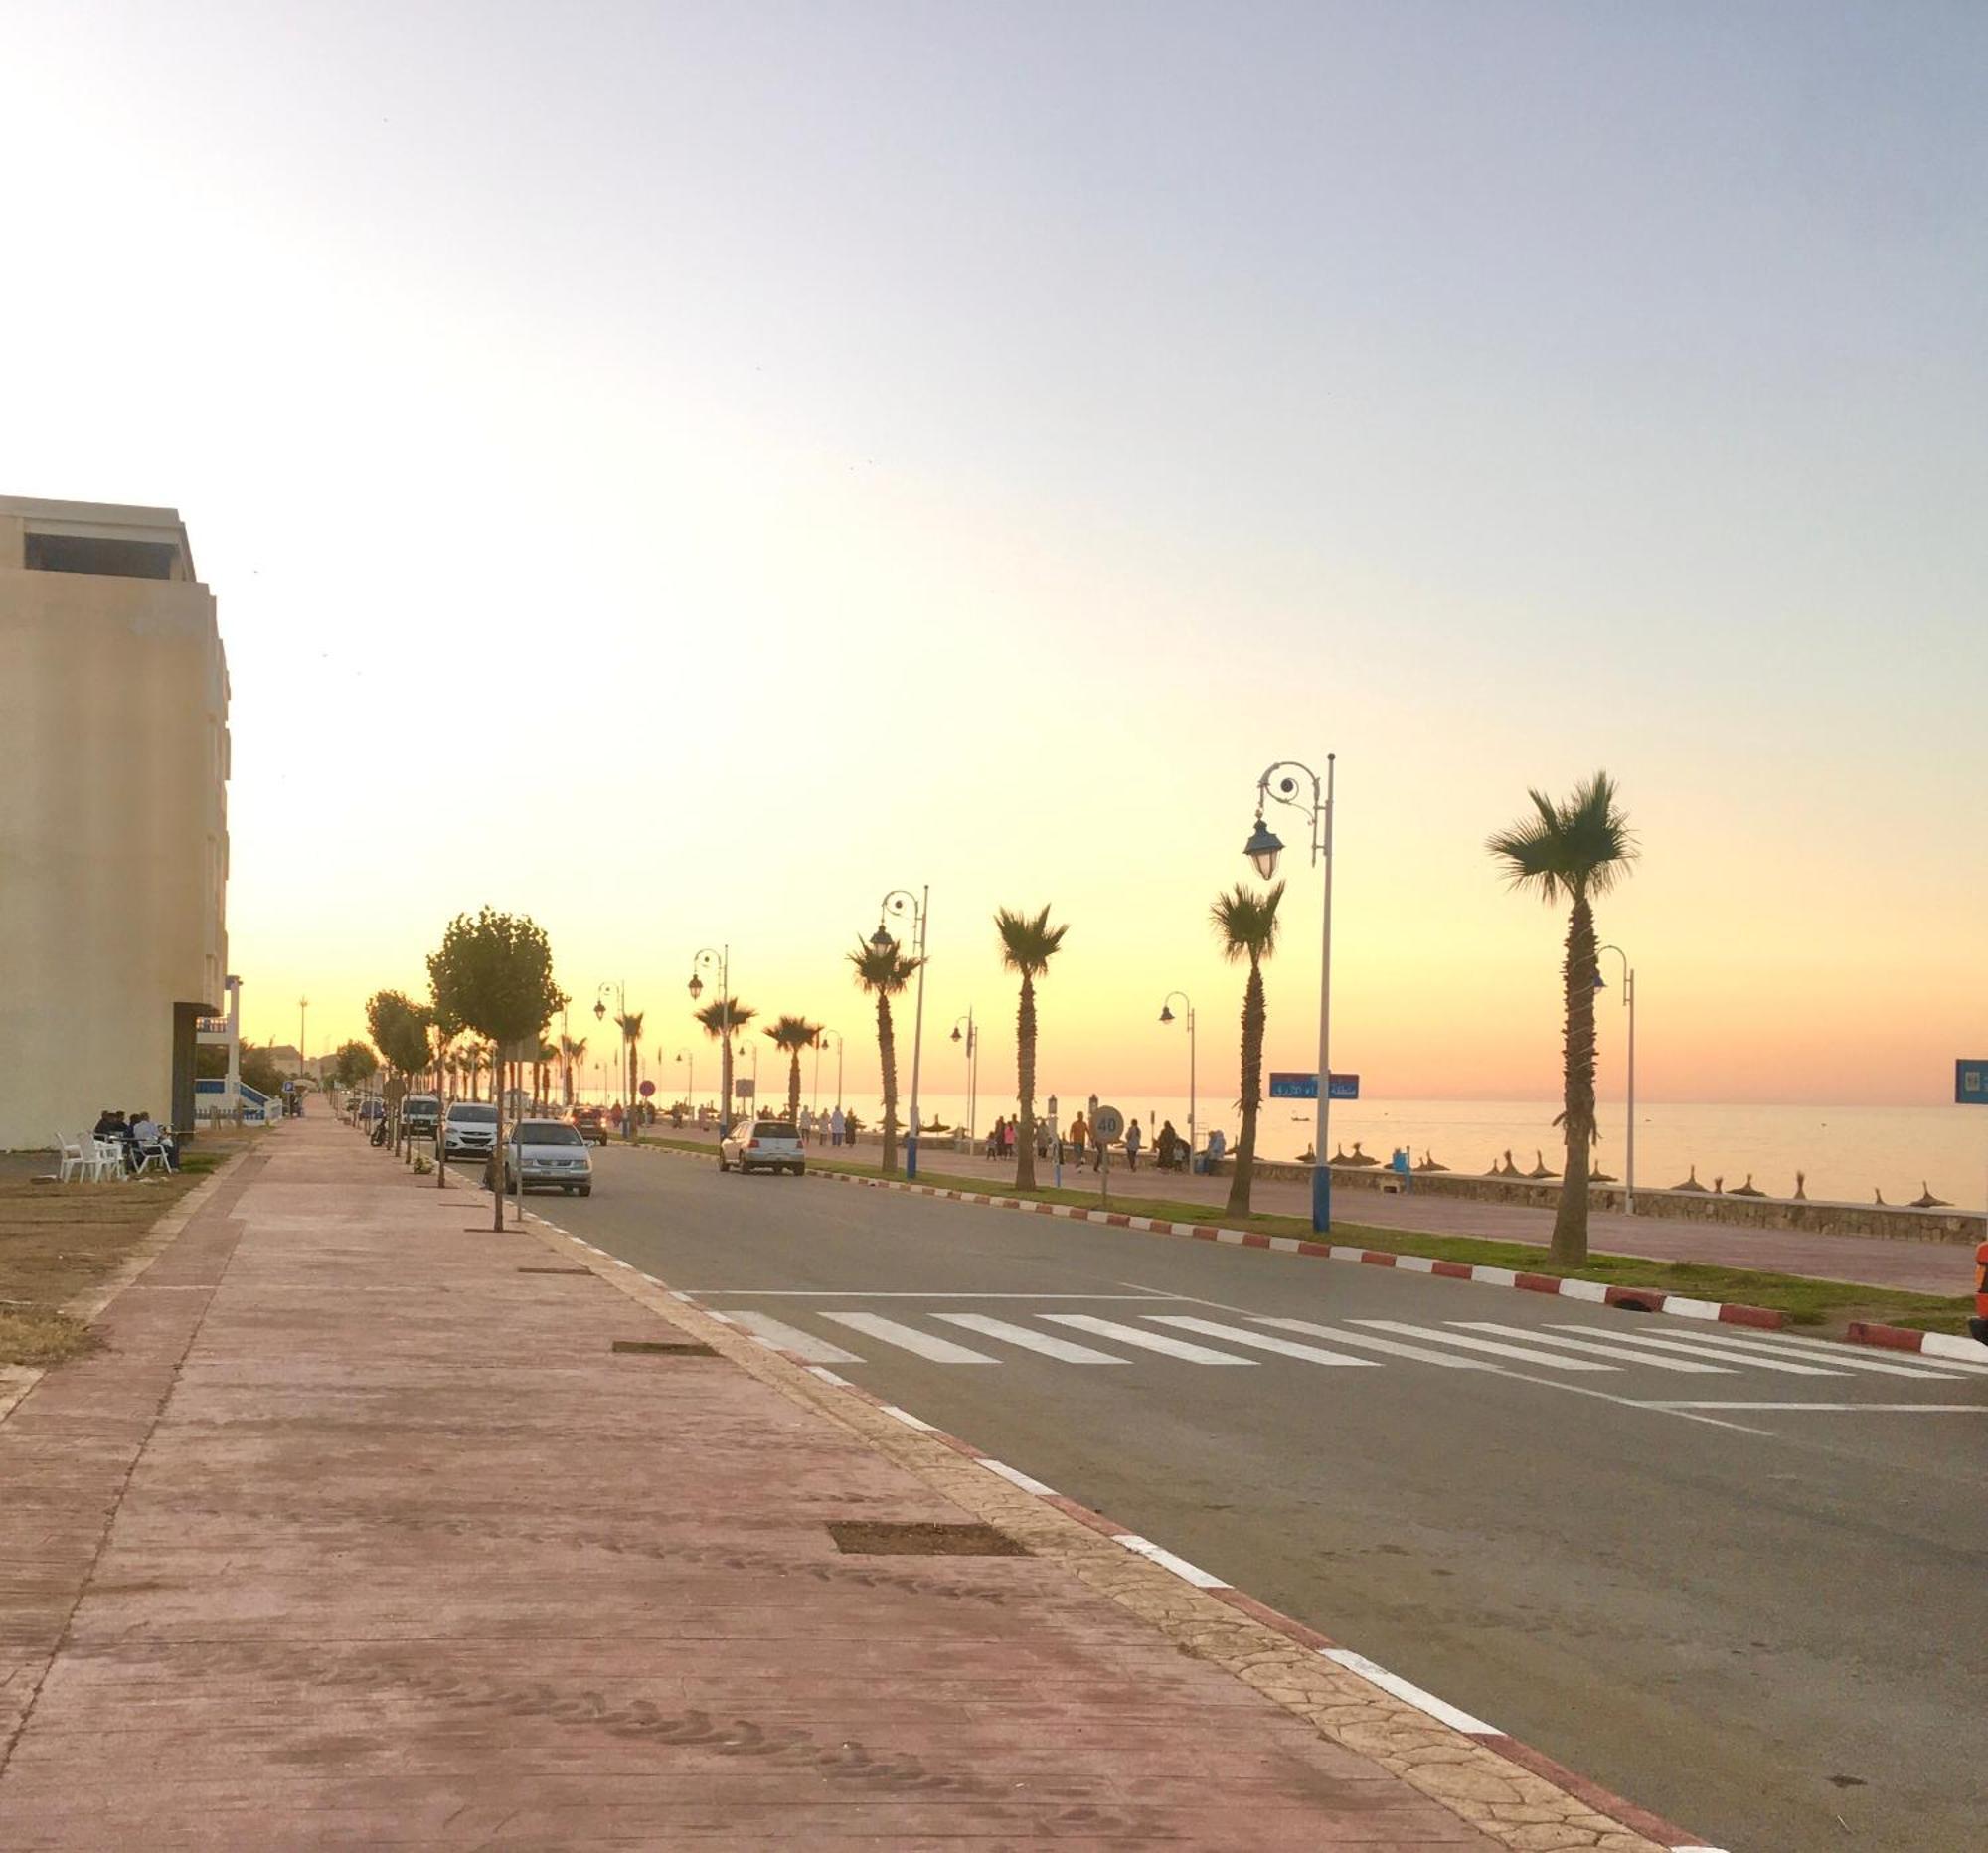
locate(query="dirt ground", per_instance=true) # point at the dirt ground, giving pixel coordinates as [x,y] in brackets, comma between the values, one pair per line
[58,1240]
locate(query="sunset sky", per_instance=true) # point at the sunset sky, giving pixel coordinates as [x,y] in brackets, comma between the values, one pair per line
[680,470]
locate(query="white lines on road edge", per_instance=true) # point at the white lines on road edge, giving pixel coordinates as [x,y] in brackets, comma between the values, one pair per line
[908,1419]
[1452,1716]
[1153,1553]
[1937,1408]
[1016,1477]
[829,1376]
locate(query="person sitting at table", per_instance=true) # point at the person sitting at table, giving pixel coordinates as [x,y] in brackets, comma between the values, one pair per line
[110,1124]
[147,1131]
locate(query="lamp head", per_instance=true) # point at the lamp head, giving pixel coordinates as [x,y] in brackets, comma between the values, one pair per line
[882,940]
[1166,1013]
[1263,848]
[1600,983]
[600,1010]
[956,1032]
[696,987]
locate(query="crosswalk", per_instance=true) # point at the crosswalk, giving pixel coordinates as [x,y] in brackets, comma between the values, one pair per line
[1244,1340]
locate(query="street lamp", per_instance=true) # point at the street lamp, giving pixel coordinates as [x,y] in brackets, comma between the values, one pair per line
[1167,1016]
[972,1053]
[900,901]
[1629,1002]
[620,991]
[689,1084]
[1263,849]
[821,1036]
[719,961]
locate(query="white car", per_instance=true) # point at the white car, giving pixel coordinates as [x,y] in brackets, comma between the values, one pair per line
[548,1154]
[761,1145]
[469,1129]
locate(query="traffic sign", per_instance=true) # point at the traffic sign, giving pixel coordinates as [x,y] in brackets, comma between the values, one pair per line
[646,1088]
[1285,1085]
[1970,1082]
[1108,1123]
[745,1088]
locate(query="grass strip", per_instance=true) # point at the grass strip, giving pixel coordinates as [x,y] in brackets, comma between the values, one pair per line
[1829,1304]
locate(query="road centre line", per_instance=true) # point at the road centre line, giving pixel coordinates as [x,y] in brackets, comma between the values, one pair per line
[1149,1341]
[1934,1409]
[1696,1347]
[1490,1345]
[910,1338]
[1600,1347]
[1066,1350]
[1263,1341]
[1841,1356]
[781,1292]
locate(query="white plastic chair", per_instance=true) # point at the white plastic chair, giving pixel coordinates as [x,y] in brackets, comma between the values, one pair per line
[72,1160]
[109,1159]
[151,1152]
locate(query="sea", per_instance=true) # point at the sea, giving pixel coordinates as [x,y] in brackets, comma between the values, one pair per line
[1844,1154]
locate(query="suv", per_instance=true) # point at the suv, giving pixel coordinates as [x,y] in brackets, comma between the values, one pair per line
[420,1114]
[761,1145]
[469,1130]
[592,1124]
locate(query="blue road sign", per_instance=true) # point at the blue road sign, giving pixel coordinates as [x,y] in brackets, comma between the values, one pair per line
[1970,1082]
[1298,1086]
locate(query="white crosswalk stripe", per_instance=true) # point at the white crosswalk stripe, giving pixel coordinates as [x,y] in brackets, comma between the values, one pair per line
[1365,1341]
[910,1338]
[792,1338]
[1671,1347]
[1598,1346]
[1843,1355]
[1148,1341]
[1236,1334]
[1498,1349]
[1065,1350]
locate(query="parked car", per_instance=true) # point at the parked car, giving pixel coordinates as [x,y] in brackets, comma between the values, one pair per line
[420,1114]
[592,1124]
[548,1154]
[761,1145]
[469,1130]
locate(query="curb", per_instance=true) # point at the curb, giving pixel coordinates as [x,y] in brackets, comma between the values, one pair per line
[1931,1344]
[1616,1809]
[1597,1292]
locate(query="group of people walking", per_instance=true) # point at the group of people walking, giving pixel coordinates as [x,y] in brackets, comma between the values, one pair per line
[832,1128]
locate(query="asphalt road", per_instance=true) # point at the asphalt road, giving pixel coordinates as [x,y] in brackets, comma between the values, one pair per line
[1750,1593]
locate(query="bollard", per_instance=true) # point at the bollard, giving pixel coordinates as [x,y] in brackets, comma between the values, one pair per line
[1979,1325]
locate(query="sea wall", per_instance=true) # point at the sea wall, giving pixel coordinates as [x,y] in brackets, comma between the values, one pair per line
[1898,1224]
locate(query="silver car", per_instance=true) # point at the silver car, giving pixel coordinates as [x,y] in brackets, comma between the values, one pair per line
[761,1145]
[548,1154]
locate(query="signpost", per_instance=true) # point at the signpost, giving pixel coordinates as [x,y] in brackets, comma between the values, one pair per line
[1304,1086]
[744,1087]
[1107,1123]
[646,1089]
[1970,1088]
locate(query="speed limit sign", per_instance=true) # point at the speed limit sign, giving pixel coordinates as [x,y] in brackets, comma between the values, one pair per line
[1108,1123]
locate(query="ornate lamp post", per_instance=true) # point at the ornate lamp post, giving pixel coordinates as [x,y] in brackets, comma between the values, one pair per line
[1193,1065]
[719,961]
[1280,782]
[899,901]
[972,1053]
[620,991]
[1629,1002]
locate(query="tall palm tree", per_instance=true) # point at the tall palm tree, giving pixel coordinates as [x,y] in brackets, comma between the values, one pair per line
[1247,924]
[792,1035]
[472,1066]
[541,1074]
[1028,943]
[1571,851]
[714,1017]
[629,1023]
[571,1049]
[884,971]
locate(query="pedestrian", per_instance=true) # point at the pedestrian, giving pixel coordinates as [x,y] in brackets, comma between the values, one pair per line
[1079,1133]
[1167,1147]
[835,1127]
[993,1148]
[806,1126]
[1097,1147]
[1042,1138]
[1134,1139]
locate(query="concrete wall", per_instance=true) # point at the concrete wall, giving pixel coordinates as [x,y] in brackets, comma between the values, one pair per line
[114,825]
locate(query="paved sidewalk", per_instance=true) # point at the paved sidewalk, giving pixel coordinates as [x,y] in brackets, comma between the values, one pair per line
[360,1531]
[1923,1266]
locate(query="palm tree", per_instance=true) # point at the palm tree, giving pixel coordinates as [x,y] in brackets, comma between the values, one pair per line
[472,1066]
[1571,851]
[715,1017]
[571,1049]
[1248,925]
[542,1079]
[793,1034]
[1028,943]
[629,1023]
[883,971]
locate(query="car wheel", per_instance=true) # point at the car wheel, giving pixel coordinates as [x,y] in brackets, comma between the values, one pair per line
[722,1165]
[586,1190]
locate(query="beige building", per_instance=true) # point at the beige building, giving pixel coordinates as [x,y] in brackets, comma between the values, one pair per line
[113,815]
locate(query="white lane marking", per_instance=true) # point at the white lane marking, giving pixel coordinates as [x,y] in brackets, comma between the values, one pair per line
[792,1338]
[1951,1348]
[1188,1573]
[1623,1352]
[1149,1341]
[781,1292]
[1413,1695]
[1263,1341]
[1016,1477]
[908,1420]
[827,1376]
[1068,1350]
[1696,1348]
[1844,1357]
[910,1338]
[1365,1341]
[1915,1409]
[1492,1345]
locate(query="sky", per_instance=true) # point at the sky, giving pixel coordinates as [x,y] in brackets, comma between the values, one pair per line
[682,471]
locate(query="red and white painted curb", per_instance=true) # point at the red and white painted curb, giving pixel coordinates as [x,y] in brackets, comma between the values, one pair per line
[1944,1345]
[1599,1292]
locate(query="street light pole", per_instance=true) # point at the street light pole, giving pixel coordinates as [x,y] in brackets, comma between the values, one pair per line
[1193,1067]
[972,1070]
[898,901]
[620,991]
[1263,849]
[1629,1145]
[720,958]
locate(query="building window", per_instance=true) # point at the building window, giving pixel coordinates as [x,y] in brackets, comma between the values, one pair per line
[80,553]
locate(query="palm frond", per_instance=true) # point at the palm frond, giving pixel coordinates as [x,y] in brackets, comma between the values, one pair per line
[792,1034]
[1028,941]
[1580,846]
[721,1011]
[883,968]
[1246,921]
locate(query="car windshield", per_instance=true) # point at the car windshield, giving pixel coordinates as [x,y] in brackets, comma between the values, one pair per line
[474,1115]
[772,1130]
[547,1132]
